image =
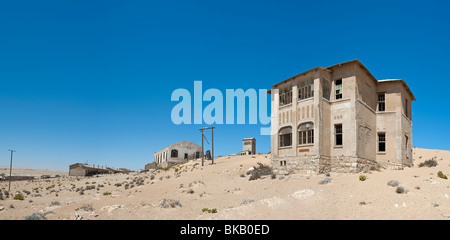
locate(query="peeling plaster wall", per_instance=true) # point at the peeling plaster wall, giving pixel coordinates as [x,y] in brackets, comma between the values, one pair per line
[356,111]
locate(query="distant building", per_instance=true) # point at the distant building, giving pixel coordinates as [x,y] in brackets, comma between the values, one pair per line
[176,153]
[16,177]
[125,170]
[150,166]
[80,169]
[49,176]
[248,146]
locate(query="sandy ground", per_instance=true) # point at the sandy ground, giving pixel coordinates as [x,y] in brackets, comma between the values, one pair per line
[226,187]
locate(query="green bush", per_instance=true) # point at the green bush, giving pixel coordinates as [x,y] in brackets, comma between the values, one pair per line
[213,210]
[441,175]
[362,178]
[19,196]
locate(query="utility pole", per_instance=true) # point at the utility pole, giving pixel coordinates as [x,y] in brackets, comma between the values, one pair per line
[203,151]
[212,143]
[10,169]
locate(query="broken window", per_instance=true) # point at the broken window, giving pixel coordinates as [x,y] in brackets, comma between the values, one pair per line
[306,133]
[381,142]
[338,134]
[306,89]
[285,96]
[326,89]
[197,154]
[381,102]
[285,137]
[338,89]
[406,107]
[406,143]
[185,156]
[174,153]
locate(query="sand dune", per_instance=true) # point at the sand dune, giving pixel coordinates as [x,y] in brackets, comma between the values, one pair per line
[224,186]
[31,171]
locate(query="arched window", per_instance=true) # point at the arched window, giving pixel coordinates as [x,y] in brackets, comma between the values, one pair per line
[285,136]
[306,133]
[174,153]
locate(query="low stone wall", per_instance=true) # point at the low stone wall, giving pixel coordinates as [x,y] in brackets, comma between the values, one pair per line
[170,164]
[315,164]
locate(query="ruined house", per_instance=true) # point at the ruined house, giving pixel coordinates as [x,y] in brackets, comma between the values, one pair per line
[81,169]
[177,153]
[341,119]
[248,146]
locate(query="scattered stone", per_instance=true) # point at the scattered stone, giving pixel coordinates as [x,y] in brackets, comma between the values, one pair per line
[247,201]
[401,190]
[112,207]
[393,183]
[431,181]
[305,193]
[169,203]
[325,181]
[38,216]
[78,216]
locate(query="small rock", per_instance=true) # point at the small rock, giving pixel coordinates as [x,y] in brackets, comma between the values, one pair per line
[78,216]
[325,181]
[393,183]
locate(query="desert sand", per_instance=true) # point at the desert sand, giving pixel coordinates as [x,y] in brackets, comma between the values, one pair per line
[182,192]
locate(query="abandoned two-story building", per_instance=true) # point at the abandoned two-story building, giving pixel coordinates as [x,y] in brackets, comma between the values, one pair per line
[341,119]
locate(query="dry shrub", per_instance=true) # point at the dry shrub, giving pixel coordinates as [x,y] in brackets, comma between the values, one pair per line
[428,163]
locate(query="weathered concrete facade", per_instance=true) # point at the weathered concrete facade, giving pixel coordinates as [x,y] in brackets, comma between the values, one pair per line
[340,119]
[249,146]
[177,153]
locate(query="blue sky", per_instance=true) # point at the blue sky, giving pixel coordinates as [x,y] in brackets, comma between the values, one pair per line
[92,80]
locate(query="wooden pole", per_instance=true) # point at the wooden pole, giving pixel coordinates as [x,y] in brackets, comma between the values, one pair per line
[212,144]
[10,169]
[203,157]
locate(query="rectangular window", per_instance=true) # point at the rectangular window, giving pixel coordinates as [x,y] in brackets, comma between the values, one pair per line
[338,134]
[286,96]
[338,84]
[306,137]
[381,102]
[311,136]
[305,89]
[381,142]
[285,140]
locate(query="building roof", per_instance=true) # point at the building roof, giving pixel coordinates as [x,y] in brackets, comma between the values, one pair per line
[184,142]
[402,82]
[344,63]
[83,165]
